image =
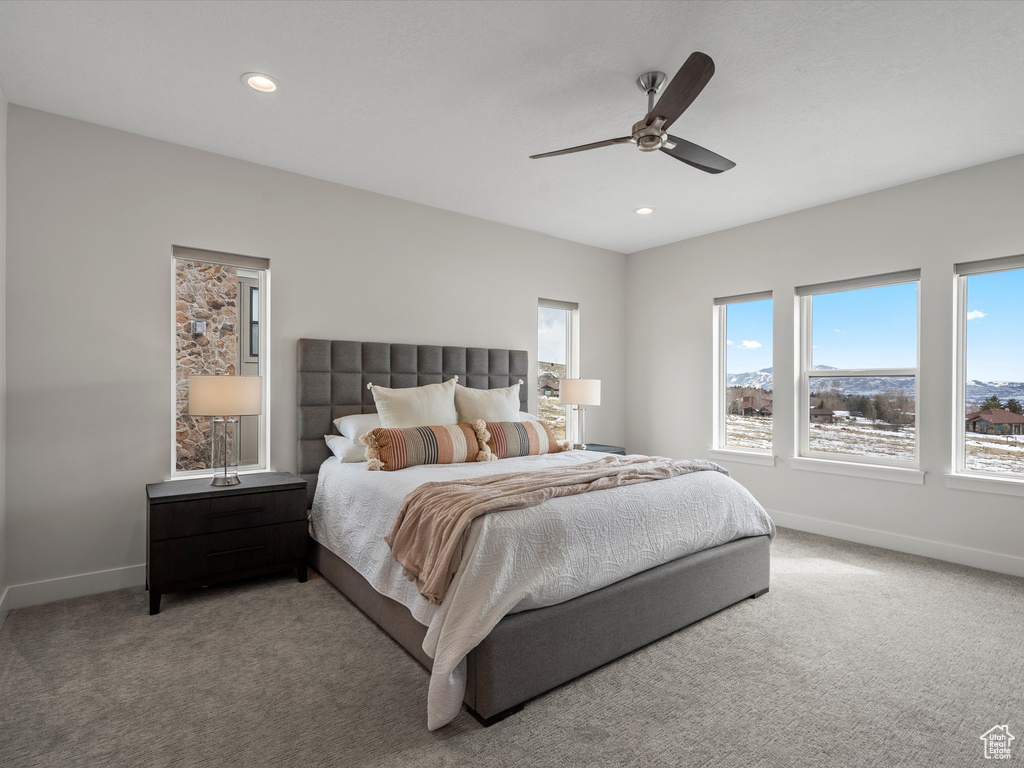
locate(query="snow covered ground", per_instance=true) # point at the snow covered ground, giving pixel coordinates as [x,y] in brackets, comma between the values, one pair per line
[858,439]
[553,412]
[992,453]
[863,439]
[748,432]
[984,453]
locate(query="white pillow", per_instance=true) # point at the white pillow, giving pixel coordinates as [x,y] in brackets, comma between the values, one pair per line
[524,416]
[358,424]
[345,449]
[487,404]
[429,405]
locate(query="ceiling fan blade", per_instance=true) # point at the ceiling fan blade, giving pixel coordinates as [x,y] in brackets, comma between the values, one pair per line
[697,156]
[582,147]
[684,88]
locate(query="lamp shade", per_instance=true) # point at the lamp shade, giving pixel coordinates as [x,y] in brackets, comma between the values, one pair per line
[225,395]
[579,391]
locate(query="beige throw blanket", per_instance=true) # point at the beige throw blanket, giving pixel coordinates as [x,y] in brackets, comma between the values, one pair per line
[430,531]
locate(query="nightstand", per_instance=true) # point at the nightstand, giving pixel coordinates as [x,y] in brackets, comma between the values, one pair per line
[606,448]
[198,534]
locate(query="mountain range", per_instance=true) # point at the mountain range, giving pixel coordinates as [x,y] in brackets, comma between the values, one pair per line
[875,385]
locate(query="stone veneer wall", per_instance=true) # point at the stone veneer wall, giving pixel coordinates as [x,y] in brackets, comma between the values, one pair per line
[203,292]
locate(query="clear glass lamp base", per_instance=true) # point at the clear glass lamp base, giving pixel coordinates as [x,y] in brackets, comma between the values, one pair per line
[581,415]
[225,450]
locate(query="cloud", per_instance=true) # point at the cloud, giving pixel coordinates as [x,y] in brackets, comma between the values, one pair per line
[551,335]
[975,314]
[839,331]
[751,344]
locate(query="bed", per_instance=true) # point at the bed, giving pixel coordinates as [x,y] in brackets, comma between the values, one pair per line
[528,652]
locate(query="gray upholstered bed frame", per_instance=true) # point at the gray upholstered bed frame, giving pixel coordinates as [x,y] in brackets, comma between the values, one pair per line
[333,376]
[528,653]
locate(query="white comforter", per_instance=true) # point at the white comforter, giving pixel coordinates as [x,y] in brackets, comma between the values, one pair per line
[526,558]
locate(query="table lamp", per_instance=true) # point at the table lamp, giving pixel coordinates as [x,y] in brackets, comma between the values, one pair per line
[580,393]
[225,398]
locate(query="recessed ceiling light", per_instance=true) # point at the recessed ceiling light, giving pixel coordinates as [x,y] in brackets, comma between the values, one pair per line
[643,211]
[259,82]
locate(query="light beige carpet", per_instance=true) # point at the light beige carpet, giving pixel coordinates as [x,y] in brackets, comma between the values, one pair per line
[857,657]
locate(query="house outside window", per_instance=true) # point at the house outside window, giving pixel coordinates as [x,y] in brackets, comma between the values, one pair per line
[220,303]
[557,359]
[744,389]
[989,400]
[857,399]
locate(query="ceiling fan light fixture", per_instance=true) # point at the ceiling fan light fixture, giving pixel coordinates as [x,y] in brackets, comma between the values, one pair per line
[260,82]
[643,211]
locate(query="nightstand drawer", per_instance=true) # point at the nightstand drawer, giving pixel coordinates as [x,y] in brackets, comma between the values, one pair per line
[183,559]
[225,513]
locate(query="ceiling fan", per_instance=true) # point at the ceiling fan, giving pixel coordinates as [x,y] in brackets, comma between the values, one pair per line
[650,133]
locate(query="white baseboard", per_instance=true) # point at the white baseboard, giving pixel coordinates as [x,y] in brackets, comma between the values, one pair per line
[953,553]
[3,607]
[39,592]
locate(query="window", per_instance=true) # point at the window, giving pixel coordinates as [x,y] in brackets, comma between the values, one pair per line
[743,390]
[557,343]
[859,370]
[989,420]
[220,302]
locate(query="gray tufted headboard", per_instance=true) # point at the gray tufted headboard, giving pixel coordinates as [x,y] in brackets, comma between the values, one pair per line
[333,376]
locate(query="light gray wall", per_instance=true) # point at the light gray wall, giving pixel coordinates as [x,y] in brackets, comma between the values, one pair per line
[3,356]
[931,224]
[93,215]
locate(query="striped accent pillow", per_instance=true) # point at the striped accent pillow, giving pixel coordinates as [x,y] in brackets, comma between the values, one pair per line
[521,438]
[391,448]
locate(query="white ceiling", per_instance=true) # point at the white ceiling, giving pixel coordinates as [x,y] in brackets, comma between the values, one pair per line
[441,102]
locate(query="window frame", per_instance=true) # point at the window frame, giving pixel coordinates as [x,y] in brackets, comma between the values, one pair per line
[572,355]
[720,376]
[1011,484]
[805,361]
[262,267]
[254,309]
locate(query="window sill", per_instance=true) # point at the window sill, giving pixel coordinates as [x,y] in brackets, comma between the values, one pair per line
[198,474]
[1007,486]
[743,457]
[854,469]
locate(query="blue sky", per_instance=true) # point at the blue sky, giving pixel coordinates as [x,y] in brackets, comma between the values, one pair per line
[877,328]
[866,328]
[995,320]
[748,333]
[551,335]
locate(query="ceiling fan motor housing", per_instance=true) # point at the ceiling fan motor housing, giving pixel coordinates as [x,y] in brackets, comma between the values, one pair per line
[649,138]
[649,143]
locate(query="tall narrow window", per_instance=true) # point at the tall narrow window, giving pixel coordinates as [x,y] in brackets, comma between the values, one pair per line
[220,304]
[990,400]
[859,359]
[744,389]
[557,359]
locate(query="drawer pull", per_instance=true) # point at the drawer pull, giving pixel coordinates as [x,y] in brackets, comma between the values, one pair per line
[234,512]
[235,551]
